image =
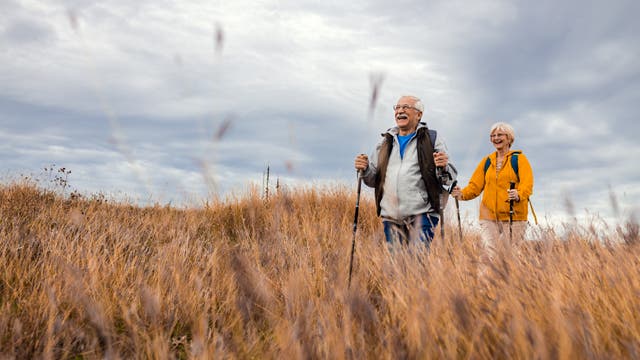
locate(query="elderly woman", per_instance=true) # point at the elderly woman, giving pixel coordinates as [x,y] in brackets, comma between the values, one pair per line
[493,177]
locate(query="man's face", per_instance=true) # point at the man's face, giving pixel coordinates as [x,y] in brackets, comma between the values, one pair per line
[407,116]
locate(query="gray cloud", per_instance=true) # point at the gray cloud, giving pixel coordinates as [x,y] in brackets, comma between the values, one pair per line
[23,32]
[130,95]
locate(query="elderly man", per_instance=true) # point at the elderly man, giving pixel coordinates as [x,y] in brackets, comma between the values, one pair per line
[408,170]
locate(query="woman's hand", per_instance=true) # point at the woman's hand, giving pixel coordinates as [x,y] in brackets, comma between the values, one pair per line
[456,193]
[513,194]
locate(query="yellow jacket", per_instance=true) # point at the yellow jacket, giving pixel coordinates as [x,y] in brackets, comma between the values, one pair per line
[495,203]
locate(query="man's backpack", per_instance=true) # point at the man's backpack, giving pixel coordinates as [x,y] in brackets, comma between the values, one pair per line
[514,166]
[432,136]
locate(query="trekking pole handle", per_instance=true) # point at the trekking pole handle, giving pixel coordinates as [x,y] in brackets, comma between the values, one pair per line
[453,184]
[512,186]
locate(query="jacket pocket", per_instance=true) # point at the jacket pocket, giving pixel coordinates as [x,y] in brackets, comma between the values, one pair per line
[503,209]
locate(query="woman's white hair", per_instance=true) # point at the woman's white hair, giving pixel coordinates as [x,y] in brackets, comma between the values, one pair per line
[506,128]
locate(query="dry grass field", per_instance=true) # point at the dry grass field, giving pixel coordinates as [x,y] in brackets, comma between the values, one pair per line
[245,278]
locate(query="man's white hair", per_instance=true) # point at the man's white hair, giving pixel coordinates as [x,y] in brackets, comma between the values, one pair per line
[418,103]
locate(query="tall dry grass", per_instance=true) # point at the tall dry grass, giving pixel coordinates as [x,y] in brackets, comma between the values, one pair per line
[244,278]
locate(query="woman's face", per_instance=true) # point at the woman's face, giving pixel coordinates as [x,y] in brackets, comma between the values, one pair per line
[500,140]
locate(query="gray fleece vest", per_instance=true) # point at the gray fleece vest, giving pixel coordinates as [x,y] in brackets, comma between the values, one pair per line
[425,162]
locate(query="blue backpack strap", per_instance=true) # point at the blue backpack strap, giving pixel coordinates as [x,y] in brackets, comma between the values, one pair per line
[487,163]
[514,163]
[432,136]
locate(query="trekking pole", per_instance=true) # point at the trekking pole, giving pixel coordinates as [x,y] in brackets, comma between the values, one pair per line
[512,186]
[455,182]
[443,179]
[355,225]
[441,217]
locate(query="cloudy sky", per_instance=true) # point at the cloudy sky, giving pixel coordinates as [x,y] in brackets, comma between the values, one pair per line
[170,101]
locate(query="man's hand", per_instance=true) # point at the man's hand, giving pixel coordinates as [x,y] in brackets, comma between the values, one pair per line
[361,162]
[441,159]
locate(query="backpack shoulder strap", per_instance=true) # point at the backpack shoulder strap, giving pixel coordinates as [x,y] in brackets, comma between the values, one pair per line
[514,163]
[487,163]
[432,137]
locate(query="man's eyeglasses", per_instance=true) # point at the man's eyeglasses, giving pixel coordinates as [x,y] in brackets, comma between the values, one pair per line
[403,107]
